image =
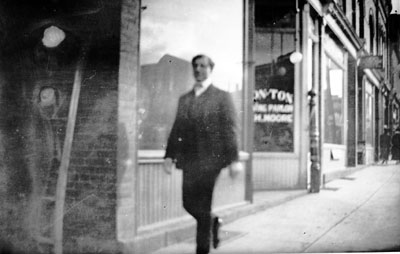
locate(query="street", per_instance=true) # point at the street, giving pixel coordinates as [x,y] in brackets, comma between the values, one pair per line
[356,213]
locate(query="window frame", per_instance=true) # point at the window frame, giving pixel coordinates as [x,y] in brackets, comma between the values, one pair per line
[341,62]
[296,89]
[157,155]
[369,94]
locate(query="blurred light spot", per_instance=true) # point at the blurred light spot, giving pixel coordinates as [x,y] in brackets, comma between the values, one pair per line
[47,97]
[53,36]
[296,57]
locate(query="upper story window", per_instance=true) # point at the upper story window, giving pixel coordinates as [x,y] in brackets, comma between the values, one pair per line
[342,4]
[354,13]
[361,16]
[172,32]
[371,24]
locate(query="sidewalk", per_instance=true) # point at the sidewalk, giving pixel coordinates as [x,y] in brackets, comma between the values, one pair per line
[360,212]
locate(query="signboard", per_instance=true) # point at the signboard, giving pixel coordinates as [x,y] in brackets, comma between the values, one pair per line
[371,62]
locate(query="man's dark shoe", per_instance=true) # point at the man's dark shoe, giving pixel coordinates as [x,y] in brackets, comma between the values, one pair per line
[217,222]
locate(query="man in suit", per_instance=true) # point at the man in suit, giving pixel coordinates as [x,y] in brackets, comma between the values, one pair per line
[202,142]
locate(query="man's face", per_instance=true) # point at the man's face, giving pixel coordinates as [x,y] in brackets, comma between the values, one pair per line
[201,69]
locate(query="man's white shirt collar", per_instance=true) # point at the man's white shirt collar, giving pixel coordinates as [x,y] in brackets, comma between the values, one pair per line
[204,85]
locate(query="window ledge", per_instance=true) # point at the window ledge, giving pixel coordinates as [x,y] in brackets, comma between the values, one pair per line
[157,156]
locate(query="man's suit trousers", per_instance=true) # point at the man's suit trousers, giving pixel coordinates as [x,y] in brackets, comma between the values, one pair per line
[197,191]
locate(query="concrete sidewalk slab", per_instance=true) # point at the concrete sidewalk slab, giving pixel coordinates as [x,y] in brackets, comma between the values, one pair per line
[262,201]
[357,213]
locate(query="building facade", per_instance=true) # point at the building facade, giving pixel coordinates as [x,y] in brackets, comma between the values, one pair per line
[314,84]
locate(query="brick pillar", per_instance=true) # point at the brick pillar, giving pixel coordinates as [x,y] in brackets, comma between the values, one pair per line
[360,117]
[352,113]
[127,141]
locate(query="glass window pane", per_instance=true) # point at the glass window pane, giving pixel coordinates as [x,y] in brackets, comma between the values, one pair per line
[369,113]
[333,104]
[172,32]
[274,86]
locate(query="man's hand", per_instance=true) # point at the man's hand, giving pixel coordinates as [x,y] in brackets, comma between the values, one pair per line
[235,168]
[168,165]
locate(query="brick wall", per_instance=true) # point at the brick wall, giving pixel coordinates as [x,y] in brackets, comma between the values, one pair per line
[32,138]
[23,150]
[91,190]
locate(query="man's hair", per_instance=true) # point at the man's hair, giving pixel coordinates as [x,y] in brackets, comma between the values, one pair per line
[209,60]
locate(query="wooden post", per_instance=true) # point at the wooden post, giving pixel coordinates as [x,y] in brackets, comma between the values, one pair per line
[63,170]
[248,81]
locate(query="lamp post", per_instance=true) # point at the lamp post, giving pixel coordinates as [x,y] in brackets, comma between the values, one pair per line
[315,170]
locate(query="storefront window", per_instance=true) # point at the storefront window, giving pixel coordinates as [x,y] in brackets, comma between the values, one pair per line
[333,104]
[385,111]
[172,32]
[396,115]
[369,124]
[274,86]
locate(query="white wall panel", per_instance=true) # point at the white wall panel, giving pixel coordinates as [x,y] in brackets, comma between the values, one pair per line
[275,172]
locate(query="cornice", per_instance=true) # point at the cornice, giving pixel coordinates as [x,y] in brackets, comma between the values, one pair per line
[337,14]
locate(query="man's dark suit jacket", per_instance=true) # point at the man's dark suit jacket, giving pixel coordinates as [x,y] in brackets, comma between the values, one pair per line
[204,132]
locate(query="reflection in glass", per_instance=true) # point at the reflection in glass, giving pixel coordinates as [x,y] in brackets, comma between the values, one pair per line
[333,104]
[274,86]
[172,32]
